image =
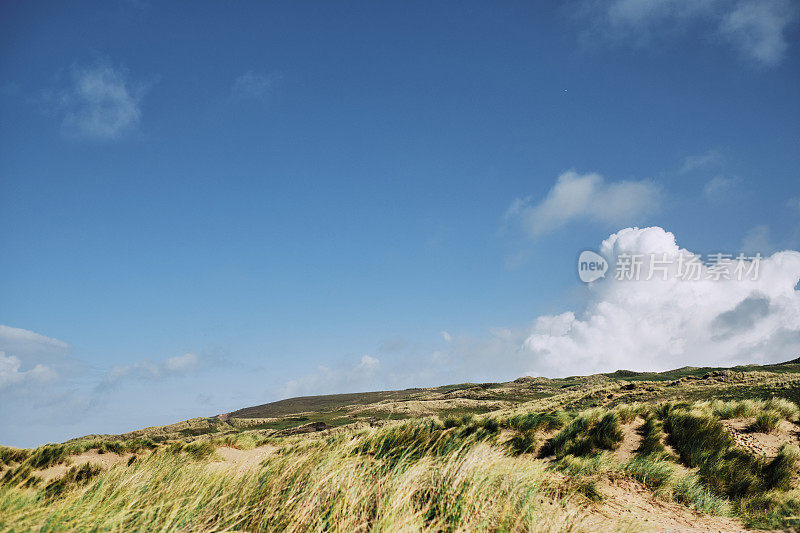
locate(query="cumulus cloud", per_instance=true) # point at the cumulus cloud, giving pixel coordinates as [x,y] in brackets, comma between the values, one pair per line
[585,196]
[150,370]
[254,85]
[757,29]
[661,324]
[100,103]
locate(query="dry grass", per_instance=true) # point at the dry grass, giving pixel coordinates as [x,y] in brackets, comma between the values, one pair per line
[459,472]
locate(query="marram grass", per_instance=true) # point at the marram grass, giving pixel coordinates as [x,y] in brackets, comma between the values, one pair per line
[478,487]
[454,474]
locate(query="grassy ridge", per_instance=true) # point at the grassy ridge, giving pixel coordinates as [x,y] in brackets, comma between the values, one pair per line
[538,465]
[432,474]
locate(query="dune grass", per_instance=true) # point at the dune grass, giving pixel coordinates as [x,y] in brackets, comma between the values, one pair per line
[432,474]
[341,485]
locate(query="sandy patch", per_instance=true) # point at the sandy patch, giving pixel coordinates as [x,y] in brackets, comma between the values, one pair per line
[766,444]
[242,459]
[628,504]
[104,460]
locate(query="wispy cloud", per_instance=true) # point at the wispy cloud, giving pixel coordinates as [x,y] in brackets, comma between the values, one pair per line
[720,188]
[757,29]
[147,369]
[99,103]
[585,196]
[758,239]
[18,340]
[712,158]
[254,85]
[326,379]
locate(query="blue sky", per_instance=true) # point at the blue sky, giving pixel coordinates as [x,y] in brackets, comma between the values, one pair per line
[210,205]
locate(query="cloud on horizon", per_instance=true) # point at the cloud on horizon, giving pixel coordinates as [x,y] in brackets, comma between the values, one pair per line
[658,325]
[637,325]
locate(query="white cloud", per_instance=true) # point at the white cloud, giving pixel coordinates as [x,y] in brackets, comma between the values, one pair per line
[657,325]
[756,28]
[585,196]
[100,104]
[10,373]
[637,325]
[147,369]
[254,84]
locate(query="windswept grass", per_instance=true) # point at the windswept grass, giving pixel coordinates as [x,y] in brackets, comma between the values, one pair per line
[730,471]
[455,473]
[9,456]
[652,437]
[546,421]
[323,489]
[588,433]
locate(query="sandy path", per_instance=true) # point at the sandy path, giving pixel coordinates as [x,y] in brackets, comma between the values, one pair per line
[628,503]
